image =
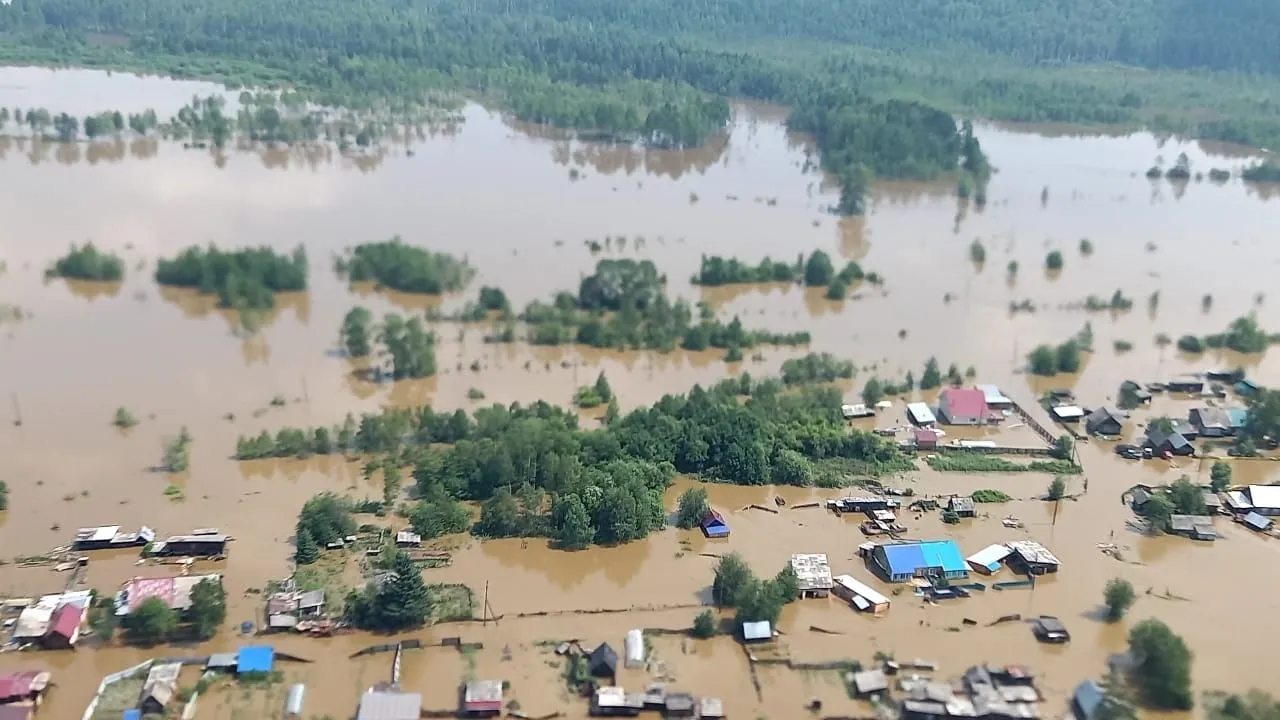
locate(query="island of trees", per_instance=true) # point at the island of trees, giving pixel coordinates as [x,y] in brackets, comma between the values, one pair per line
[244,279]
[816,271]
[624,305]
[537,473]
[407,268]
[86,262]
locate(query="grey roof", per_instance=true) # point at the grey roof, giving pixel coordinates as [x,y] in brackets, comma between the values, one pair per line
[1086,699]
[222,660]
[1256,521]
[1050,624]
[1187,523]
[1100,416]
[1211,417]
[1139,496]
[958,503]
[314,598]
[386,705]
[1155,439]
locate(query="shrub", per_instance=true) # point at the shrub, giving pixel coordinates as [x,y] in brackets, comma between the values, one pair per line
[704,625]
[1118,597]
[1057,488]
[1190,344]
[989,496]
[692,508]
[1053,260]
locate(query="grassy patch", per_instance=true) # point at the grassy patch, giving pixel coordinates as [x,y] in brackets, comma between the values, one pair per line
[990,496]
[976,462]
[324,574]
[451,602]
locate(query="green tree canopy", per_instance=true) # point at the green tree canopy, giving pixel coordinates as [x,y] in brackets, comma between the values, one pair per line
[693,508]
[733,578]
[150,622]
[208,608]
[1162,673]
[1118,596]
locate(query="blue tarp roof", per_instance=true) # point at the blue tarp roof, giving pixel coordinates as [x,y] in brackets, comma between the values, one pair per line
[132,714]
[255,658]
[907,558]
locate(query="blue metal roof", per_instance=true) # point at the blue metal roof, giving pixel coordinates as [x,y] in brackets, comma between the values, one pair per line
[132,714]
[255,658]
[905,559]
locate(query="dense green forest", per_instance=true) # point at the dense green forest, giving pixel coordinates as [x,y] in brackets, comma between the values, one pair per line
[624,305]
[244,279]
[537,473]
[866,76]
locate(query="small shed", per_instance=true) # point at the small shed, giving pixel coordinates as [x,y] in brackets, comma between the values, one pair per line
[255,658]
[988,559]
[603,661]
[1185,386]
[961,506]
[408,538]
[389,705]
[225,662]
[994,398]
[920,414]
[1254,521]
[870,682]
[1067,413]
[859,594]
[633,648]
[1050,630]
[714,525]
[710,708]
[757,631]
[1199,527]
[925,438]
[1032,558]
[160,686]
[482,698]
[678,705]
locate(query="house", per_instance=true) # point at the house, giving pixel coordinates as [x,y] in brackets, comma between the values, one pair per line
[32,624]
[1247,388]
[1184,428]
[1139,393]
[962,406]
[1050,630]
[389,705]
[849,412]
[757,631]
[920,414]
[1138,496]
[208,546]
[1086,699]
[925,438]
[174,591]
[1171,443]
[1238,417]
[1265,499]
[870,682]
[222,662]
[714,525]
[1237,502]
[64,627]
[814,574]
[1197,527]
[962,506]
[159,688]
[603,661]
[109,536]
[15,712]
[899,562]
[1031,558]
[1254,521]
[612,701]
[1212,502]
[1067,413]
[255,659]
[1185,386]
[988,559]
[1104,421]
[482,698]
[993,397]
[1211,422]
[859,594]
[865,503]
[23,686]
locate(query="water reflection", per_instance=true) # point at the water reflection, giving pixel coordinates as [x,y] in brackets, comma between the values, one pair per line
[91,290]
[196,305]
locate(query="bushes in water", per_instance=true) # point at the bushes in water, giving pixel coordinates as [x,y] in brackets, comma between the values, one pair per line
[86,262]
[989,496]
[1190,344]
[716,270]
[979,462]
[1266,172]
[815,368]
[624,305]
[1053,260]
[407,268]
[245,279]
[1046,360]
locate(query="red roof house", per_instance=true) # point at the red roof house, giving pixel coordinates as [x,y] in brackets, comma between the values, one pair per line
[64,627]
[962,406]
[24,685]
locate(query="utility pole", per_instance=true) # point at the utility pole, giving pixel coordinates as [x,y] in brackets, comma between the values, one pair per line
[484,611]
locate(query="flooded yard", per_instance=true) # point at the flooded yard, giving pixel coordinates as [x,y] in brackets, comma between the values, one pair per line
[521,205]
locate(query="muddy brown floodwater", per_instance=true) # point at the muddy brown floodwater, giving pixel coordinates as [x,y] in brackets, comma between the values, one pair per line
[520,203]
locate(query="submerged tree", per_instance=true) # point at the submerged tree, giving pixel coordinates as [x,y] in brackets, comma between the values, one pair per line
[693,508]
[1162,673]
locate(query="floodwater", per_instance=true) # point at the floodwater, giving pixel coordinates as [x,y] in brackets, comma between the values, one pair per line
[520,204]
